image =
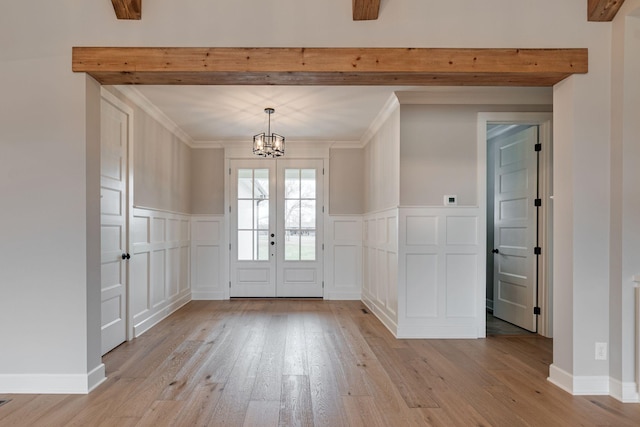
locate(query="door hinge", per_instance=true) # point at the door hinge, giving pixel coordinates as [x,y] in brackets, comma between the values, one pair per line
[229,208]
[229,284]
[322,171]
[323,209]
[229,246]
[537,202]
[537,250]
[229,171]
[323,284]
[323,246]
[538,147]
[536,310]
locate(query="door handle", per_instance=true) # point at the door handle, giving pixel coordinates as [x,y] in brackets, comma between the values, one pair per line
[495,251]
[126,256]
[273,235]
[273,243]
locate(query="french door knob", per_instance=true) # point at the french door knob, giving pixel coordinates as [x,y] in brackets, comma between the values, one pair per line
[496,251]
[273,235]
[126,256]
[273,243]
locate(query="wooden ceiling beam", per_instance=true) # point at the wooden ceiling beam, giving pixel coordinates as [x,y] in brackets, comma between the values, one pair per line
[128,9]
[365,10]
[603,10]
[329,66]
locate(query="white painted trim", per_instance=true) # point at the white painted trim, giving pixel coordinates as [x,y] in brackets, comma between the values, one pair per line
[624,392]
[560,378]
[147,209]
[96,377]
[591,386]
[579,385]
[477,96]
[218,292]
[408,331]
[343,296]
[135,96]
[161,314]
[52,383]
[387,109]
[381,315]
[208,295]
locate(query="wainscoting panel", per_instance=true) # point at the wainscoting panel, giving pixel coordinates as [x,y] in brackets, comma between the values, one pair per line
[380,246]
[159,266]
[209,264]
[440,273]
[343,258]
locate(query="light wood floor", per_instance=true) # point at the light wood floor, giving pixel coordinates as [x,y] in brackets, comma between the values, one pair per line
[315,363]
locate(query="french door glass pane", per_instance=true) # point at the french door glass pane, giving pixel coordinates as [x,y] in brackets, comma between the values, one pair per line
[253,214]
[300,214]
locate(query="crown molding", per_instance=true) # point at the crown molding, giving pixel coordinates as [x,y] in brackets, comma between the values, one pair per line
[135,96]
[389,107]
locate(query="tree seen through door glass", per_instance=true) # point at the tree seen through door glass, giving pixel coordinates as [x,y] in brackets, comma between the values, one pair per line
[300,214]
[253,214]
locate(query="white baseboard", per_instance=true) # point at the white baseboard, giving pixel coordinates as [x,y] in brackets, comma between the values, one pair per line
[96,377]
[52,383]
[160,315]
[624,392]
[436,332]
[579,385]
[591,386]
[202,295]
[561,378]
[343,296]
[387,321]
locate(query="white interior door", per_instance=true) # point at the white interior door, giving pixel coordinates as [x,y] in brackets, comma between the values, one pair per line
[276,228]
[114,140]
[515,192]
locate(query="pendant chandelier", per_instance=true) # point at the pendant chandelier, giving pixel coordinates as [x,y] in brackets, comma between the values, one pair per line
[268,144]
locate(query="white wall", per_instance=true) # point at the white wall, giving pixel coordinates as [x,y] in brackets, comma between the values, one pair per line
[43,149]
[625,204]
[382,162]
[380,222]
[438,149]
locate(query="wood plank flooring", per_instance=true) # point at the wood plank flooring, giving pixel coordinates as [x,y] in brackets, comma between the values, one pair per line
[316,363]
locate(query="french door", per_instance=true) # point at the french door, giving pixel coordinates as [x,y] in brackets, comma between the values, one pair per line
[276,228]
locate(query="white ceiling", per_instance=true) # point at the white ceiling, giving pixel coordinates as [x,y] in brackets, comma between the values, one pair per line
[307,113]
[303,113]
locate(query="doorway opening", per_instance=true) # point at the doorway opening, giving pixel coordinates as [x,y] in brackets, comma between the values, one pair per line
[518,223]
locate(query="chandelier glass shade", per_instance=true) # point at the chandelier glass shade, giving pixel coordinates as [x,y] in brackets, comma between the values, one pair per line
[268,144]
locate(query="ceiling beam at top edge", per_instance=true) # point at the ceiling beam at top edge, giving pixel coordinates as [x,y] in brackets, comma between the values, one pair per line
[603,10]
[365,10]
[329,66]
[128,9]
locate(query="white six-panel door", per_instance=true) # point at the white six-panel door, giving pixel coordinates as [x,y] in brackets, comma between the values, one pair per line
[515,192]
[114,132]
[276,228]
